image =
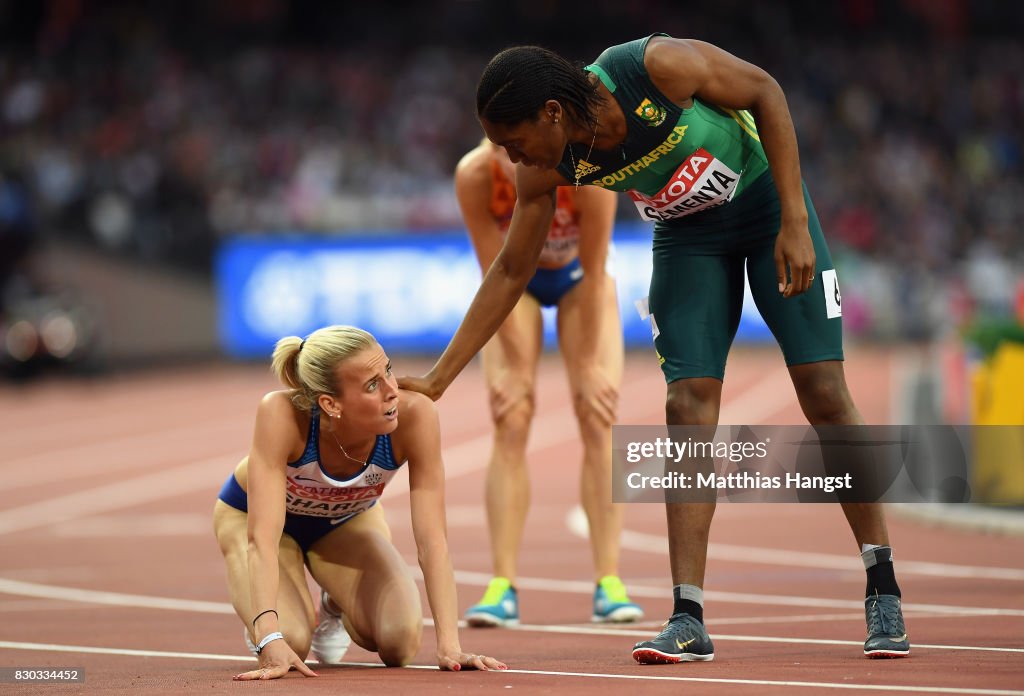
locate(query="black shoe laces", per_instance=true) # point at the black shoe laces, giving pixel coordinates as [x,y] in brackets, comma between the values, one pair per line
[884,617]
[678,628]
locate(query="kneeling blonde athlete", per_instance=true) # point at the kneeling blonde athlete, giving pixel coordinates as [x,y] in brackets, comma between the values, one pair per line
[306,496]
[571,276]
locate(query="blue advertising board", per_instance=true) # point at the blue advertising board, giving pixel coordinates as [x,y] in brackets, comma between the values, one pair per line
[410,291]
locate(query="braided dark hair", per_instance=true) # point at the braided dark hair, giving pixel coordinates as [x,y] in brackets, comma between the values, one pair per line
[517,82]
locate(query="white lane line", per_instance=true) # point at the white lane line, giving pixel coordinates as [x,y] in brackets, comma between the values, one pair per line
[82,649]
[639,541]
[582,629]
[468,577]
[576,520]
[16,587]
[814,618]
[125,525]
[973,518]
[168,482]
[36,605]
[111,455]
[93,650]
[72,594]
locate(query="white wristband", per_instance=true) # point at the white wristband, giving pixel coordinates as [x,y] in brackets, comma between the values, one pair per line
[270,637]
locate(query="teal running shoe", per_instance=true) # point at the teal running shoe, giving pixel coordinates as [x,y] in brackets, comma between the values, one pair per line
[612,604]
[499,606]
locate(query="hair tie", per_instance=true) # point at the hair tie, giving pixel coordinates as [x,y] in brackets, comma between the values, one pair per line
[302,344]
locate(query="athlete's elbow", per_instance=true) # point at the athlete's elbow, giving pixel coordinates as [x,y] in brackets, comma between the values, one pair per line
[260,543]
[770,95]
[434,548]
[514,270]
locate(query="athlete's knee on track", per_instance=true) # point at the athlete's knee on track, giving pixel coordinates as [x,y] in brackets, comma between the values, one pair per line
[398,641]
[298,634]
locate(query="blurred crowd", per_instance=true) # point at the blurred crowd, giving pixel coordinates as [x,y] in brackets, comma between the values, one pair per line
[153,129]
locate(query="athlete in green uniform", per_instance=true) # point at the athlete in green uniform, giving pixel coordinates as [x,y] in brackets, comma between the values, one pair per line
[704,144]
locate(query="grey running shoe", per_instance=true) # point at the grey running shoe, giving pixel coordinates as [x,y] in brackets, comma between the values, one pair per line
[887,635]
[684,639]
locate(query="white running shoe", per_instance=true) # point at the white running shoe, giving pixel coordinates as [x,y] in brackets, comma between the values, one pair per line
[330,639]
[248,642]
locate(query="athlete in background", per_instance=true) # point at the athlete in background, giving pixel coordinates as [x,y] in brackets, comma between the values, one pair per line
[570,277]
[704,144]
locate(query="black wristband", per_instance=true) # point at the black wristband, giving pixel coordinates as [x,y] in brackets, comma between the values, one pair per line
[266,611]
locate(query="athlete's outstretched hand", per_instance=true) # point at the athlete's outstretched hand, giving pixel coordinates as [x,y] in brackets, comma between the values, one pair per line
[794,251]
[275,661]
[457,661]
[423,385]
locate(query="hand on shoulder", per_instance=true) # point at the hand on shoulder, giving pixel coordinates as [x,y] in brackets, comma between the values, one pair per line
[413,407]
[418,435]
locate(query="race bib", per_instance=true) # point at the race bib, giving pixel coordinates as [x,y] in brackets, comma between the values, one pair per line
[833,300]
[699,183]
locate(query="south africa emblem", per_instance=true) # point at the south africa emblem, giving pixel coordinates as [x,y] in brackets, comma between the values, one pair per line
[651,114]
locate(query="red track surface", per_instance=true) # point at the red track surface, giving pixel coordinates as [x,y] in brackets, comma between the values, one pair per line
[108,487]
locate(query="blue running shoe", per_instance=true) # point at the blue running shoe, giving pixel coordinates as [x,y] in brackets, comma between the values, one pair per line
[499,607]
[887,635]
[612,604]
[684,639]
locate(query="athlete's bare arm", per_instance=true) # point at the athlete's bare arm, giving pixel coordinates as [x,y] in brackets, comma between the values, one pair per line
[503,283]
[473,189]
[683,69]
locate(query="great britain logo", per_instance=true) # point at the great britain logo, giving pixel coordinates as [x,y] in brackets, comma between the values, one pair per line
[650,113]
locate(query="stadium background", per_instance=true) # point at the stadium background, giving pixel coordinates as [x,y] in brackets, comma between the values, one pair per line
[156,161]
[189,181]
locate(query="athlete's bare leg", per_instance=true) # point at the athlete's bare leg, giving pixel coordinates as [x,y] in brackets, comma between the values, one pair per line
[695,401]
[603,516]
[825,399]
[370,582]
[296,615]
[510,368]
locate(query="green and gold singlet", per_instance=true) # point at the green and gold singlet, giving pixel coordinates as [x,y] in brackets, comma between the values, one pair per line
[674,161]
[701,175]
